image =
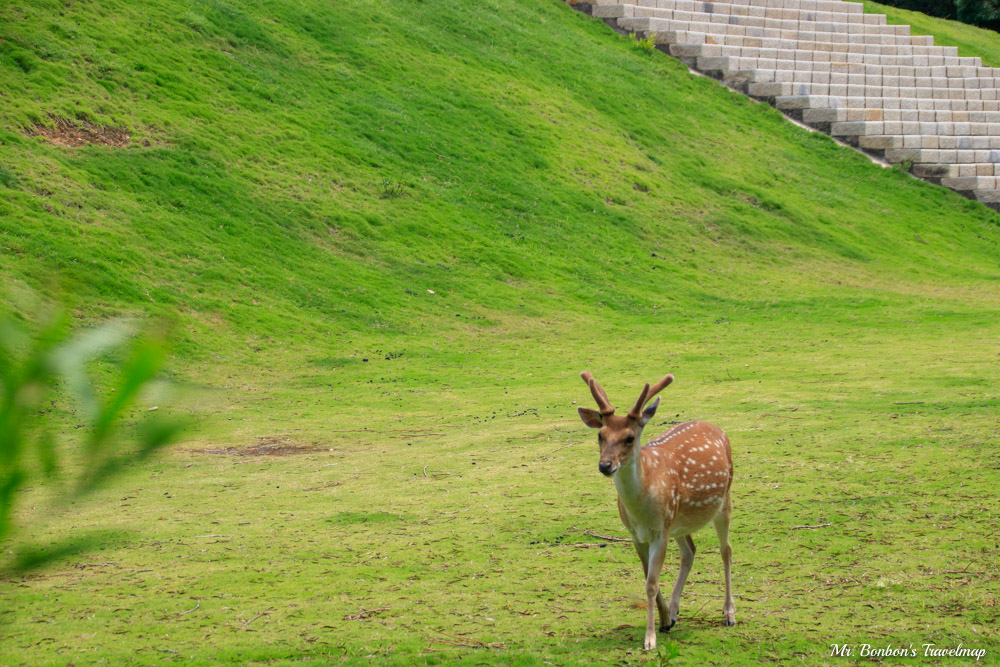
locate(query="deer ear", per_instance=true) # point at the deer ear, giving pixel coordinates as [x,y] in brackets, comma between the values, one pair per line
[591,418]
[648,413]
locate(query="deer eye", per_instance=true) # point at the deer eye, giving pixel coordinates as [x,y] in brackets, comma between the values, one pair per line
[630,439]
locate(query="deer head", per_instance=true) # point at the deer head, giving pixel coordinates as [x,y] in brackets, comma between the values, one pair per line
[619,435]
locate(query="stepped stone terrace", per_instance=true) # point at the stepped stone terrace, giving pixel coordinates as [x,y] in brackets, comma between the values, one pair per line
[843,72]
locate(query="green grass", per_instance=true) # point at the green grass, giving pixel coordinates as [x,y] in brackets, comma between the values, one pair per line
[394,232]
[970,40]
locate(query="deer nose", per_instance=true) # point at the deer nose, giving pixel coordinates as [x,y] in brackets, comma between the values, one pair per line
[604,467]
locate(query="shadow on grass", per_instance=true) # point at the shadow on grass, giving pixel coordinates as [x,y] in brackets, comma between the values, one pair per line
[30,559]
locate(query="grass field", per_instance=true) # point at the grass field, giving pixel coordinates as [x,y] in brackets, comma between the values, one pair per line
[389,236]
[970,40]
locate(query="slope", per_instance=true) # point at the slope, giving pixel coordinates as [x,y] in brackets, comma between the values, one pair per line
[970,40]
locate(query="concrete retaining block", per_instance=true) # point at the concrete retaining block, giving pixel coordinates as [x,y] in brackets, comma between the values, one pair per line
[849,73]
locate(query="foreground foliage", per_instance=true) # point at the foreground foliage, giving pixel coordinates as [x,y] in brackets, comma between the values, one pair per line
[40,365]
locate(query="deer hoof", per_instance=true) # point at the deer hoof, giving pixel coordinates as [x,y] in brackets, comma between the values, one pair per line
[666,628]
[728,623]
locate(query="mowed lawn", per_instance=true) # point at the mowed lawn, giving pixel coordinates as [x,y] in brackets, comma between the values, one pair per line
[426,525]
[389,237]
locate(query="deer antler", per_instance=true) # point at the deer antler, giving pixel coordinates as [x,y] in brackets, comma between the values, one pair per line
[635,412]
[602,399]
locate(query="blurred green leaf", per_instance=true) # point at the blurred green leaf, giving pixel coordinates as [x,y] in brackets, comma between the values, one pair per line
[9,483]
[145,362]
[47,455]
[42,364]
[70,360]
[157,433]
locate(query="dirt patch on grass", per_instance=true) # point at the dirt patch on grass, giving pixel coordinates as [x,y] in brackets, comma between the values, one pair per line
[271,445]
[78,133]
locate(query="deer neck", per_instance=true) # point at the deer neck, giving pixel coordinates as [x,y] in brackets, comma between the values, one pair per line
[629,478]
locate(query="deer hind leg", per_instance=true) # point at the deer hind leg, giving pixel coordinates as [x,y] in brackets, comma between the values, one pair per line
[661,605]
[721,522]
[686,545]
[657,550]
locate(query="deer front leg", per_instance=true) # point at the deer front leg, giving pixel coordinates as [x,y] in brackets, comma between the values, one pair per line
[657,550]
[686,545]
[661,605]
[722,530]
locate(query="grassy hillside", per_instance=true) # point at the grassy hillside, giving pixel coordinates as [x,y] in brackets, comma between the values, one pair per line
[390,235]
[970,40]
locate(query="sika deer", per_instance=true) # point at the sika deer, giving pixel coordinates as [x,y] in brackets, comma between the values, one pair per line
[673,486]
